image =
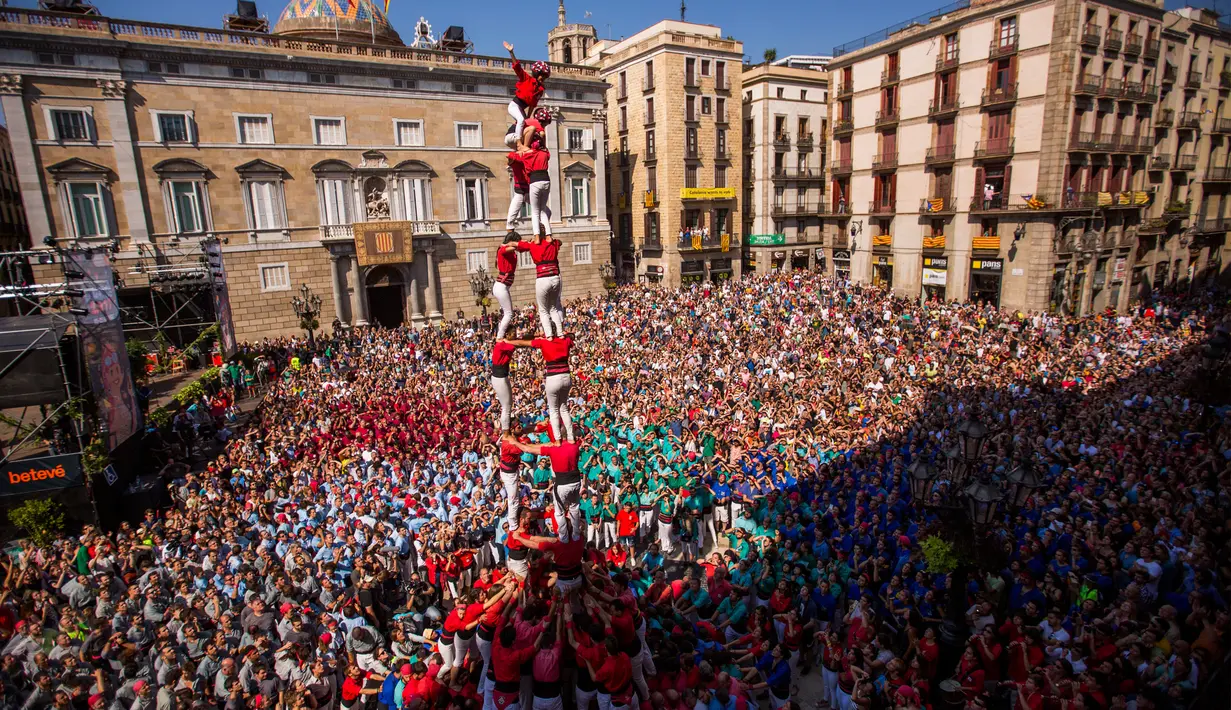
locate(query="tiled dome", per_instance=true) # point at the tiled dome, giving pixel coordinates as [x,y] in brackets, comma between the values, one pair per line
[349,20]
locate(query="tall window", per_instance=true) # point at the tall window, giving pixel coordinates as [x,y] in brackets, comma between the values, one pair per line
[650,148]
[469,135]
[409,133]
[335,200]
[575,139]
[473,199]
[649,110]
[651,178]
[579,196]
[722,141]
[329,131]
[186,205]
[1008,31]
[720,176]
[89,212]
[951,47]
[417,199]
[254,130]
[690,176]
[265,205]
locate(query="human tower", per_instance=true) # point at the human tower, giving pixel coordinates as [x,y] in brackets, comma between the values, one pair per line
[528,160]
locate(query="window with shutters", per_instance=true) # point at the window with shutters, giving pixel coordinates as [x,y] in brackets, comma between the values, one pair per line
[476,260]
[951,47]
[650,147]
[335,201]
[329,131]
[579,196]
[707,106]
[524,260]
[690,176]
[417,198]
[408,132]
[88,209]
[469,135]
[720,176]
[275,277]
[575,136]
[254,129]
[1008,31]
[651,228]
[581,253]
[722,141]
[265,205]
[473,199]
[186,205]
[649,110]
[651,178]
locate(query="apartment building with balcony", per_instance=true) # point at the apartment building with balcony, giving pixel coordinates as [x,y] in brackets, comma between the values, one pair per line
[144,137]
[1183,237]
[947,168]
[785,117]
[673,140]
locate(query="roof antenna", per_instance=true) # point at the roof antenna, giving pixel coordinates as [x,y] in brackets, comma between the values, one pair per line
[683,7]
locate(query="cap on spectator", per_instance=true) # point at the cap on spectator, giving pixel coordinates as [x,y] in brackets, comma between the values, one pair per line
[406,669]
[20,625]
[97,700]
[139,686]
[285,608]
[327,637]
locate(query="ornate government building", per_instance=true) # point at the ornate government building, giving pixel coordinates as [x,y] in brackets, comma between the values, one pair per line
[283,143]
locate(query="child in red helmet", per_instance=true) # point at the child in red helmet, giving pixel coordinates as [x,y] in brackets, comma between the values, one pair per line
[530,88]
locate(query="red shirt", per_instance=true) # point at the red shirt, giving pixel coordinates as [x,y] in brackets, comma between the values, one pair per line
[628,522]
[506,265]
[517,164]
[564,457]
[529,89]
[567,555]
[502,353]
[510,457]
[546,255]
[535,160]
[555,353]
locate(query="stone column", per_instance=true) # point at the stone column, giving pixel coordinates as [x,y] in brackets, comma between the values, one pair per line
[600,165]
[29,177]
[358,300]
[339,286]
[416,304]
[115,94]
[557,178]
[433,296]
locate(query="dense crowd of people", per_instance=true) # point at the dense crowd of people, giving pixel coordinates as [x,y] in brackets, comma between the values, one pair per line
[748,533]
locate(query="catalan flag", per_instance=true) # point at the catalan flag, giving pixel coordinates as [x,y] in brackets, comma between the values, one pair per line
[936,204]
[1104,199]
[386,7]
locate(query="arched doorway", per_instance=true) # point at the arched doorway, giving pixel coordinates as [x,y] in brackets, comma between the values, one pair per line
[386,296]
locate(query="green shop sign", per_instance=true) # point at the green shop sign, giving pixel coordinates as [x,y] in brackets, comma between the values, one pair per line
[766,240]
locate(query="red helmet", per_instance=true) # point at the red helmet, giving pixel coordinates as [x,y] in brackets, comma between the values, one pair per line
[541,69]
[542,115]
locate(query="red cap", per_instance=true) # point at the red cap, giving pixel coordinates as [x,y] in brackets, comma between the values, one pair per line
[327,637]
[286,608]
[406,669]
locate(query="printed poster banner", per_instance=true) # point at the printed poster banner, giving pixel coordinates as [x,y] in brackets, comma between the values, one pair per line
[44,473]
[102,342]
[384,242]
[222,298]
[704,193]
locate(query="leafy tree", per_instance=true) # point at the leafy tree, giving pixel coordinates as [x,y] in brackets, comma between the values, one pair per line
[41,519]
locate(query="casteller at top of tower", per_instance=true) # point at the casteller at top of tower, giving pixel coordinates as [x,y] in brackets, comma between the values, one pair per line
[348,20]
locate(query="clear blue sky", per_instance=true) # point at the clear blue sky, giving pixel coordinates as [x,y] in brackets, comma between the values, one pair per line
[790,26]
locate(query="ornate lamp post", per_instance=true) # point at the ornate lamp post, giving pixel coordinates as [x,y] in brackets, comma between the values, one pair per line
[967,497]
[607,272]
[481,286]
[307,306]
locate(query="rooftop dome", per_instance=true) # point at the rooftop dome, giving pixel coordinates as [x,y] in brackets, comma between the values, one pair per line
[349,20]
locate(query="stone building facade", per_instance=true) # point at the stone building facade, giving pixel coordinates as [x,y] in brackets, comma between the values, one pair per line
[14,235]
[673,139]
[147,137]
[785,116]
[1001,151]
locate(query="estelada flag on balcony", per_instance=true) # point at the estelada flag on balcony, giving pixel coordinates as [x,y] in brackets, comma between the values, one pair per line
[936,204]
[696,241]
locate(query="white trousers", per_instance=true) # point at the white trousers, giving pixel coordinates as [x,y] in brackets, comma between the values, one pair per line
[645,523]
[504,395]
[511,139]
[446,658]
[584,697]
[461,648]
[829,686]
[567,501]
[556,703]
[557,389]
[505,299]
[540,211]
[513,218]
[609,533]
[638,668]
[547,296]
[665,543]
[709,525]
[512,497]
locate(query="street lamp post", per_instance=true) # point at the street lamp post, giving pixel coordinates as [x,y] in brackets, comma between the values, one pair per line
[307,306]
[607,272]
[481,286]
[967,497]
